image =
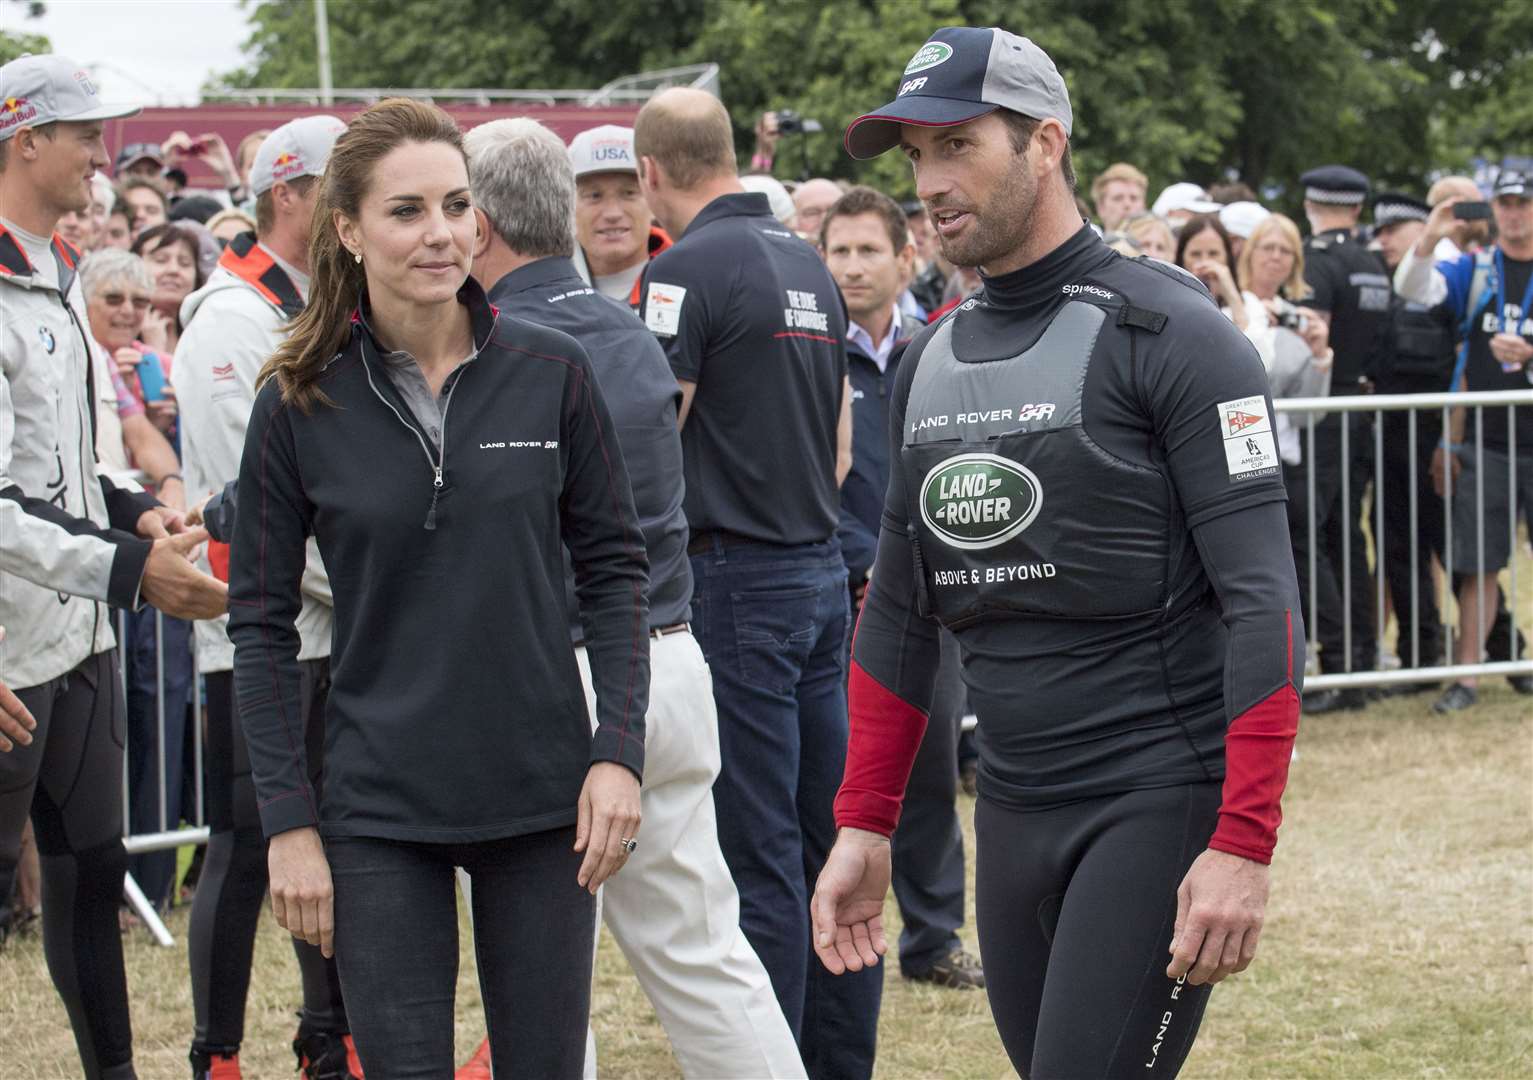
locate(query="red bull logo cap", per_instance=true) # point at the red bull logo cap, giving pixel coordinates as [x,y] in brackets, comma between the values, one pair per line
[37,90]
[608,148]
[298,148]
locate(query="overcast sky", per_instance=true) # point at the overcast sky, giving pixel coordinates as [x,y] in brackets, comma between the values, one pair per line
[158,52]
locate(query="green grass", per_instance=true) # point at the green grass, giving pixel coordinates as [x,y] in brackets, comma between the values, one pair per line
[1398,944]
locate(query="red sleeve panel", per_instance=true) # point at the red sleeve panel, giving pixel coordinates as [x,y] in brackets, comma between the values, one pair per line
[886,732]
[1250,564]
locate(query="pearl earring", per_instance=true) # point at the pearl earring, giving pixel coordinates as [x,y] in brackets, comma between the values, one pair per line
[358,257]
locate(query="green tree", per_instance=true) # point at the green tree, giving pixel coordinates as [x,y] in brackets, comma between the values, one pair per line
[14,42]
[1187,89]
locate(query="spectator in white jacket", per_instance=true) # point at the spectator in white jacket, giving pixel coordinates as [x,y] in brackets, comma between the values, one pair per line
[233,324]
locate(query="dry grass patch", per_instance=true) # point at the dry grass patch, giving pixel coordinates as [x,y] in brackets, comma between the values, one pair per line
[1399,941]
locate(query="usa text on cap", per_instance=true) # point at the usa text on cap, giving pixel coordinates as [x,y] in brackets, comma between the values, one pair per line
[37,90]
[608,148]
[961,73]
[1335,184]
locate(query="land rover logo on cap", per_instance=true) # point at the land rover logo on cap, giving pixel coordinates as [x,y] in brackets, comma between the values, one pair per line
[976,501]
[928,56]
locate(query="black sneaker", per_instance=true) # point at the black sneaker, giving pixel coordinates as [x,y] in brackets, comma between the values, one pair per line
[958,970]
[1523,684]
[1328,701]
[968,778]
[326,1055]
[1456,698]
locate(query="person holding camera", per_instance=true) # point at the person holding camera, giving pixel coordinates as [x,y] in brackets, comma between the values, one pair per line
[1490,296]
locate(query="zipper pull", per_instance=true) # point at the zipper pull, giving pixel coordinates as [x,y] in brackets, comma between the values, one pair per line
[436,489]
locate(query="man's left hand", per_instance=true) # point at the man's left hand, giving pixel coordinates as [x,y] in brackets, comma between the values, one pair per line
[1219,910]
[1511,349]
[160,521]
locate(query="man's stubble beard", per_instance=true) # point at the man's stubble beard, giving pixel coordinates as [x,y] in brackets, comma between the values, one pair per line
[1000,228]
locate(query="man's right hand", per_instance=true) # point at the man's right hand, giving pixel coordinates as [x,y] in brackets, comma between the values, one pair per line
[176,587]
[16,723]
[1440,224]
[302,896]
[1442,460]
[848,906]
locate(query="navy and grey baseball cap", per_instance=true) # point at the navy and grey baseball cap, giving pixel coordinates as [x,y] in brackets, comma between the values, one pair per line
[38,90]
[961,73]
[1513,182]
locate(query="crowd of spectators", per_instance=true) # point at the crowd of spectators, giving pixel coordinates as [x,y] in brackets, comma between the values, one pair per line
[150,242]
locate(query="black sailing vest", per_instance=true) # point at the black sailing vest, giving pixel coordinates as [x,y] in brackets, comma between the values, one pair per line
[1013,509]
[1418,350]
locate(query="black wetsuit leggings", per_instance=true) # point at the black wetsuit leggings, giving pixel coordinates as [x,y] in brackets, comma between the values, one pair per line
[70,780]
[232,890]
[1075,909]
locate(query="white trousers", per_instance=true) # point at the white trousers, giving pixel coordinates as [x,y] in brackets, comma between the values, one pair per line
[673,909]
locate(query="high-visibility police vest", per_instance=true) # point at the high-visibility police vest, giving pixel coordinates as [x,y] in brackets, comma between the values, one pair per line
[1013,508]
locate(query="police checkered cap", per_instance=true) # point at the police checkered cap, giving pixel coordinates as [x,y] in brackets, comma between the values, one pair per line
[961,73]
[608,148]
[1392,207]
[298,148]
[37,90]
[1335,185]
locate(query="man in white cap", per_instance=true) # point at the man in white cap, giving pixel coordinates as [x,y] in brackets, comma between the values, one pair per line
[1181,201]
[614,232]
[233,323]
[69,551]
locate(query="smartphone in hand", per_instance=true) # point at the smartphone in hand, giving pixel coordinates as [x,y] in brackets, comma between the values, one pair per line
[151,377]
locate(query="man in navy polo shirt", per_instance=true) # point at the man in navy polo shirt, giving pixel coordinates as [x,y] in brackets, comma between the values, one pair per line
[752,324]
[525,187]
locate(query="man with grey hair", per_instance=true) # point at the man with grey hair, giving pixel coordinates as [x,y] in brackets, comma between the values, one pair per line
[524,187]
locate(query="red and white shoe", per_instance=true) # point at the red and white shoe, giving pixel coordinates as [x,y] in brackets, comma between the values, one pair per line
[476,1067]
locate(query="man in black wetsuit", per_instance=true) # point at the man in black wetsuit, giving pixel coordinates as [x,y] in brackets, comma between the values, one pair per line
[1085,490]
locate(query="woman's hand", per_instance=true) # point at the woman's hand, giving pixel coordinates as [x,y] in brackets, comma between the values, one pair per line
[162,411]
[126,359]
[302,897]
[155,332]
[1217,277]
[1316,334]
[609,814]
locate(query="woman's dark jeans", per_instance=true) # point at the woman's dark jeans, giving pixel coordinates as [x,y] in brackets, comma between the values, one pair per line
[396,944]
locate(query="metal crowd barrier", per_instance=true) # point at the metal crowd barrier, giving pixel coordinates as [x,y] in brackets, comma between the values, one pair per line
[169,835]
[1412,669]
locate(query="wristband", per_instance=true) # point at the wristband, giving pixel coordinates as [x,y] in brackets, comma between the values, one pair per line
[1451,447]
[172,476]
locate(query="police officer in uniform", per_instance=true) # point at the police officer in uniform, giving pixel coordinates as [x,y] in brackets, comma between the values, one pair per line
[753,326]
[1085,489]
[1414,355]
[1349,286]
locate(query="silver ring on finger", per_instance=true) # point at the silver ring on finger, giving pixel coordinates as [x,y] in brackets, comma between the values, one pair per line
[628,844]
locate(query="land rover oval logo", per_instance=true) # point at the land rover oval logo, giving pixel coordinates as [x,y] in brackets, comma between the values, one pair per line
[975,501]
[928,56]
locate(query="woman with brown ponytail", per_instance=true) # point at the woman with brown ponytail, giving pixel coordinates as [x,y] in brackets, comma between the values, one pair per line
[442,455]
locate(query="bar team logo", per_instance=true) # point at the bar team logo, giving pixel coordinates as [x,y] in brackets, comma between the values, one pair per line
[928,56]
[977,501]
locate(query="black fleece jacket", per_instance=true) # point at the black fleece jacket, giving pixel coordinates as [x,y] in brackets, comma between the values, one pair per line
[456,712]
